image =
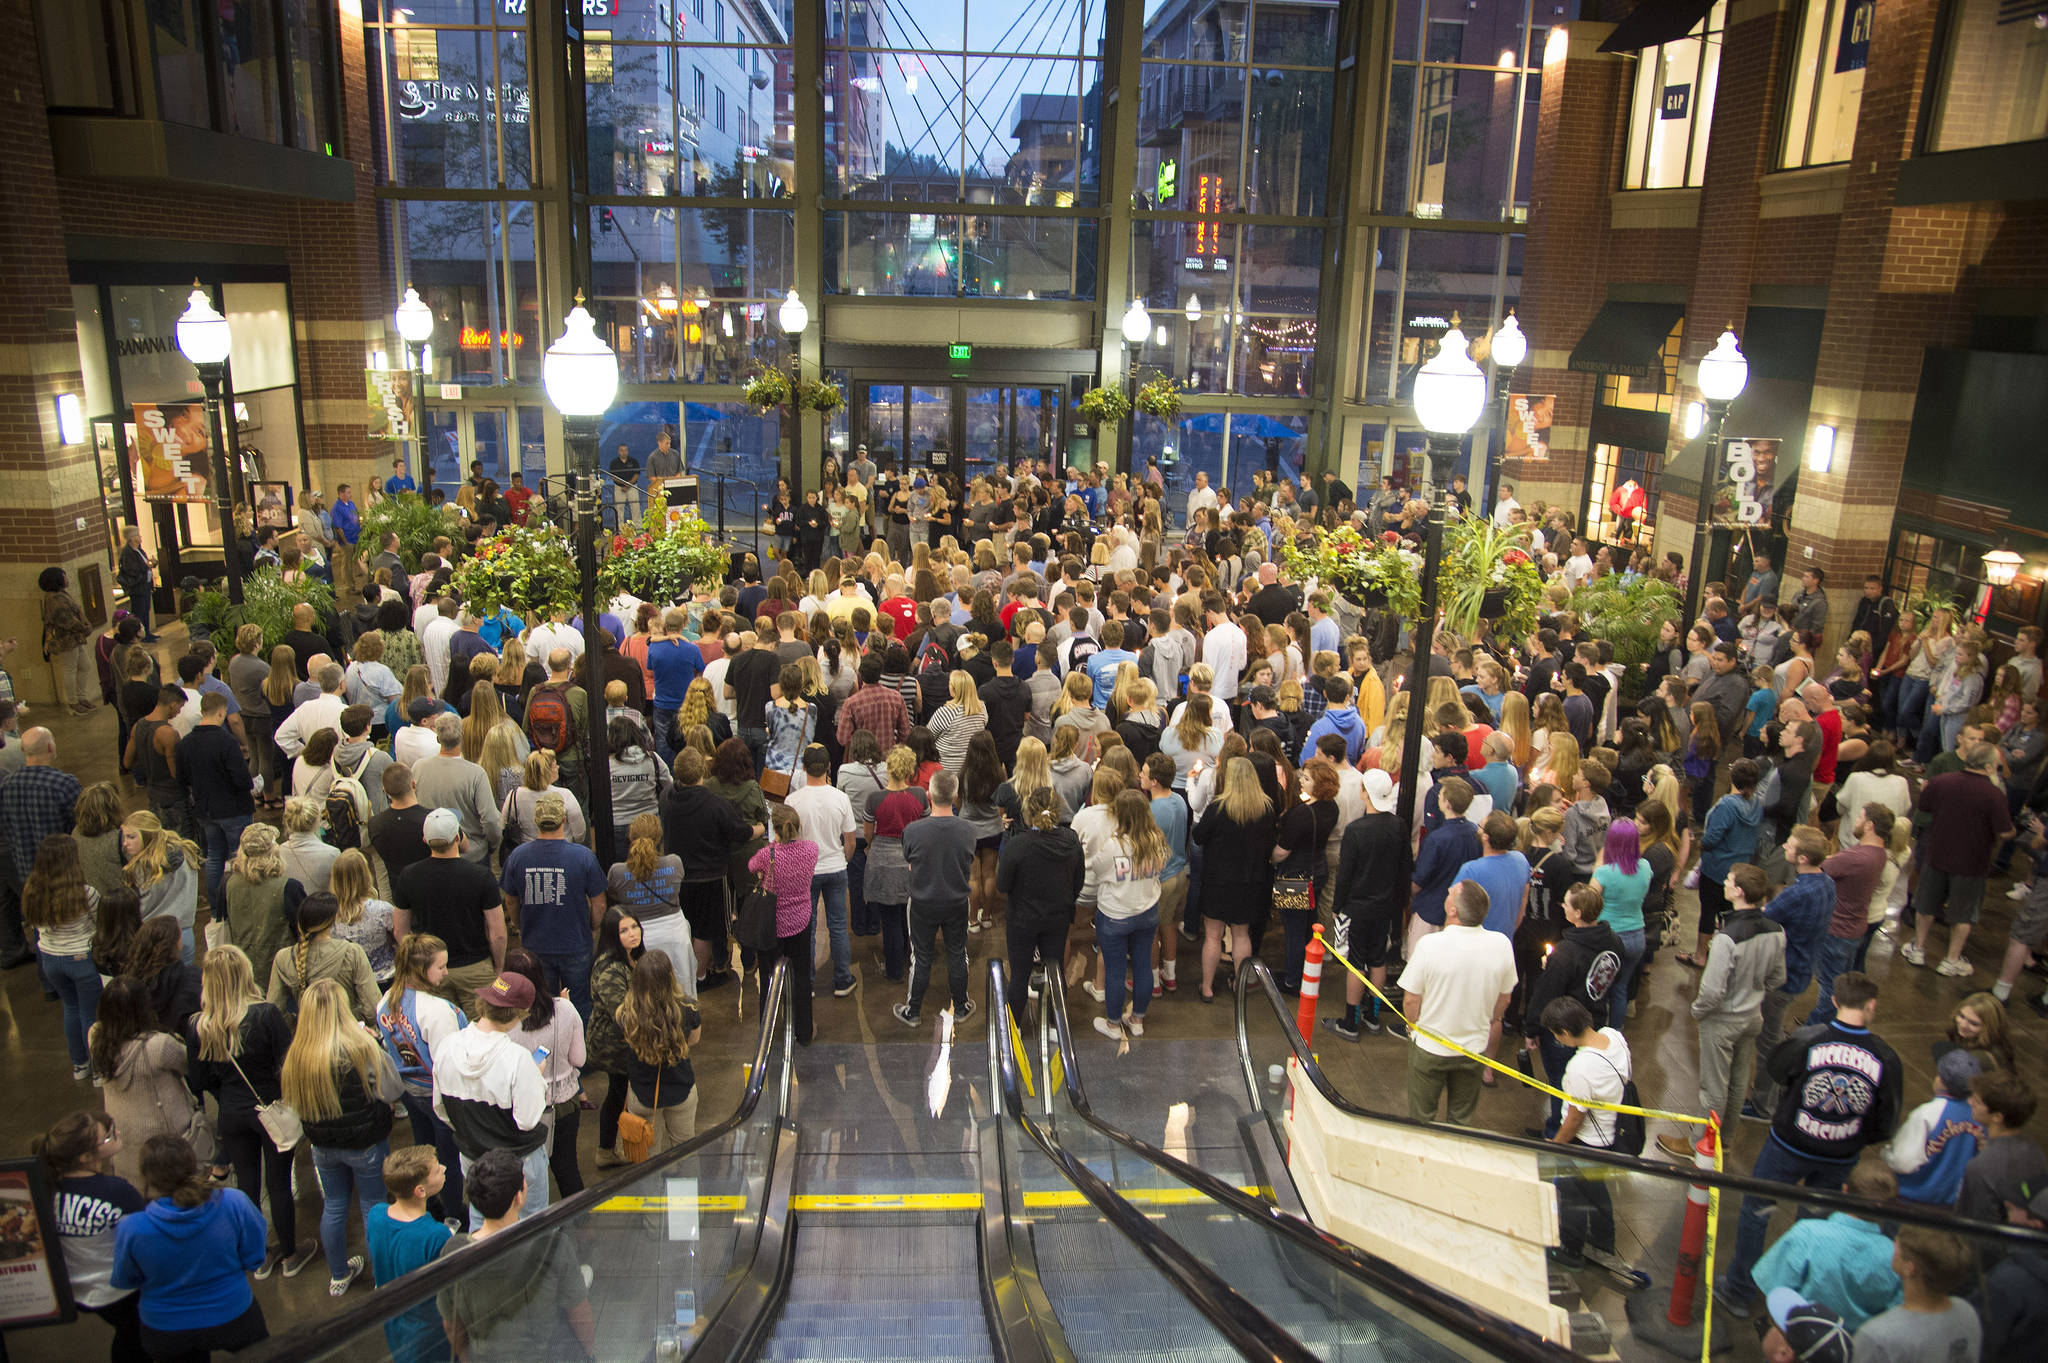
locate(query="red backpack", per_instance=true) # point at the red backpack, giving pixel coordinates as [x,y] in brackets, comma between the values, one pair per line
[550,722]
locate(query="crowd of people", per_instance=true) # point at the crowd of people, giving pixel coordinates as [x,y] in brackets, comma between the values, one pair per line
[351,875]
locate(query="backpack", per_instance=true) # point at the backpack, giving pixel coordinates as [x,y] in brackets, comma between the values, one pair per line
[550,723]
[1629,1127]
[348,807]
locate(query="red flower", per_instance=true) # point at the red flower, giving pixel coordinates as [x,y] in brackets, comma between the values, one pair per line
[1514,557]
[1390,537]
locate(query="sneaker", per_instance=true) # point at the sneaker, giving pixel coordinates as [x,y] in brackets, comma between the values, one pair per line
[1108,1028]
[1395,1028]
[269,1264]
[717,979]
[338,1287]
[1955,969]
[1911,954]
[905,1016]
[964,1011]
[1631,1278]
[610,1159]
[1741,1305]
[2018,891]
[296,1261]
[1092,990]
[1370,1024]
[80,1073]
[974,927]
[1135,1025]
[1564,1258]
[1340,1028]
[840,991]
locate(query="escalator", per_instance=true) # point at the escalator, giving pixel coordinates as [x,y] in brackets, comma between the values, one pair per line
[958,1202]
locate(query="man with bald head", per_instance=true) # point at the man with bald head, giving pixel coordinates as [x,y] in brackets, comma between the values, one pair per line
[1820,704]
[1272,602]
[35,802]
[321,712]
[304,638]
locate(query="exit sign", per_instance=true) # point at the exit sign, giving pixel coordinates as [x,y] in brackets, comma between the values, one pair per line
[959,351]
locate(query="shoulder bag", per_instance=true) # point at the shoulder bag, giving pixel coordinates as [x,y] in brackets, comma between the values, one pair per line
[636,1133]
[1629,1127]
[755,924]
[280,1119]
[198,1132]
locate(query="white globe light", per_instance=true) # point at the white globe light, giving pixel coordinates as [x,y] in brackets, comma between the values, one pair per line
[580,371]
[1510,346]
[1723,371]
[793,315]
[2001,566]
[1194,307]
[1450,392]
[415,318]
[1137,322]
[203,334]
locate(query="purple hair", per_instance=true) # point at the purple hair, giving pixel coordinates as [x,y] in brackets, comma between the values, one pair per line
[1623,849]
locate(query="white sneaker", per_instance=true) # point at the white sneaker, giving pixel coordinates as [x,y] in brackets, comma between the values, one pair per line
[1912,954]
[1135,1025]
[1108,1028]
[1955,970]
[1094,991]
[2018,891]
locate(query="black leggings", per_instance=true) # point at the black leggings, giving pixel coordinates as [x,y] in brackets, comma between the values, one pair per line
[562,1157]
[608,1111]
[1047,943]
[125,1317]
[249,1149]
[797,951]
[198,1346]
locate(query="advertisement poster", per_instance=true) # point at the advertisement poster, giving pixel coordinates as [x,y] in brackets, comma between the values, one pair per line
[1751,470]
[390,394]
[171,461]
[1852,44]
[273,504]
[1529,426]
[34,1289]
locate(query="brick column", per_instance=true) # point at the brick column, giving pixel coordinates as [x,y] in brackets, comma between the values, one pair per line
[49,492]
[1564,271]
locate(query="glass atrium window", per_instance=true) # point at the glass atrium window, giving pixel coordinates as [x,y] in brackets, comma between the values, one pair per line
[1674,107]
[1993,86]
[1827,82]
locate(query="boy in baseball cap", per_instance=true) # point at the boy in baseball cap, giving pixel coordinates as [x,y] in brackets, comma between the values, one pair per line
[489,1091]
[1797,1331]
[1373,868]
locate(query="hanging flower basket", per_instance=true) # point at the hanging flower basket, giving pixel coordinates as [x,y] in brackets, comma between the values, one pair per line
[1160,397]
[1373,574]
[820,395]
[1104,406]
[1488,575]
[529,568]
[1493,604]
[659,559]
[767,390]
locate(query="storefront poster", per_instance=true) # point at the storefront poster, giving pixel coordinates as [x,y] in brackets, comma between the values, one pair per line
[34,1289]
[1852,46]
[273,504]
[171,462]
[1750,467]
[390,394]
[1528,434]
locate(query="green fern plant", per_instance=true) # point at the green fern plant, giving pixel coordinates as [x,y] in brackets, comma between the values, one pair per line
[267,600]
[415,523]
[1629,612]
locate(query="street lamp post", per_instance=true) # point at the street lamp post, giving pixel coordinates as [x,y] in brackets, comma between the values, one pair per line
[581,375]
[1194,316]
[1510,348]
[1724,372]
[1450,393]
[794,317]
[1137,325]
[416,328]
[205,338]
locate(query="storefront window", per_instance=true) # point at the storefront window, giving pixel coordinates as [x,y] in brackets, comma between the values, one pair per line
[690,294]
[1827,82]
[1673,108]
[1994,79]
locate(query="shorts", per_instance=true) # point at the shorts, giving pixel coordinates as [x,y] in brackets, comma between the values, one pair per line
[991,843]
[703,903]
[1952,899]
[1173,900]
[2030,924]
[1367,939]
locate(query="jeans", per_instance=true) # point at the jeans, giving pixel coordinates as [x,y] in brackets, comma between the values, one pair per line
[569,970]
[859,913]
[1929,741]
[832,885]
[77,982]
[1585,1215]
[1911,707]
[1837,954]
[1951,730]
[1125,943]
[1631,955]
[427,1129]
[664,731]
[341,1173]
[926,923]
[1780,1165]
[757,744]
[895,938]
[1887,698]
[1556,1055]
[221,838]
[535,1167]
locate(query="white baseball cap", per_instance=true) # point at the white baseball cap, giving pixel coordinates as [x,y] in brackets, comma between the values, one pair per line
[1379,791]
[442,826]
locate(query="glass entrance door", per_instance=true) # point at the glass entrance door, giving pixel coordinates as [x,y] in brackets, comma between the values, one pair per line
[984,425]
[932,421]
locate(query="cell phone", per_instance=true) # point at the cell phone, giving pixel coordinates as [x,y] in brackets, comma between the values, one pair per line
[540,1056]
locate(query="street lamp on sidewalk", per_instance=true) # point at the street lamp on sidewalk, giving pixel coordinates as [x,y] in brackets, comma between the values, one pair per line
[1137,326]
[581,375]
[416,328]
[1510,348]
[794,317]
[1724,373]
[204,338]
[1450,393]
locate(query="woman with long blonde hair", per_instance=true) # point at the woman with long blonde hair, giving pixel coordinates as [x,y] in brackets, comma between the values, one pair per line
[697,708]
[235,1050]
[1514,722]
[1071,774]
[1125,864]
[163,867]
[343,1086]
[486,714]
[1033,771]
[359,916]
[1237,831]
[955,723]
[1560,765]
[660,1026]
[1548,720]
[502,760]
[259,899]
[541,775]
[1194,741]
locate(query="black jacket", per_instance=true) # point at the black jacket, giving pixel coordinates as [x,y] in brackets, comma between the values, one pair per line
[363,1121]
[266,1036]
[1843,1090]
[1041,870]
[210,761]
[1582,966]
[703,830]
[1795,774]
[1373,867]
[1009,704]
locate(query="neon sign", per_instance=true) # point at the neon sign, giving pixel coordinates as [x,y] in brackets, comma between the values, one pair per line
[474,339]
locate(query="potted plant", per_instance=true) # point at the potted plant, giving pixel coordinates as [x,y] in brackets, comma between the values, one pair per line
[660,559]
[1488,575]
[1160,397]
[529,568]
[768,390]
[1629,612]
[1104,406]
[267,600]
[414,522]
[1373,574]
[820,395]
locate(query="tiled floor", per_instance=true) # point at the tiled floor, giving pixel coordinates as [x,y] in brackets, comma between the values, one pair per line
[865,1089]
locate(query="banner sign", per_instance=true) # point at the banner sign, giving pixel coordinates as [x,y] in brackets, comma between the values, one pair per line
[1677,100]
[1528,433]
[1852,47]
[390,392]
[171,461]
[35,1288]
[1751,467]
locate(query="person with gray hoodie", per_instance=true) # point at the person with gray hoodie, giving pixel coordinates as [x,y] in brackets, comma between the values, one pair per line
[638,778]
[357,757]
[1745,963]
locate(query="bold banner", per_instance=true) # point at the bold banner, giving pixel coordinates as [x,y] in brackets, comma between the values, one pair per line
[1751,467]
[171,460]
[390,392]
[1528,434]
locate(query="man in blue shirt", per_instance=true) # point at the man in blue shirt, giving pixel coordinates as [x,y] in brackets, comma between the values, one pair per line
[1443,854]
[1101,665]
[1803,908]
[553,884]
[1324,636]
[399,481]
[675,663]
[499,626]
[1502,872]
[349,576]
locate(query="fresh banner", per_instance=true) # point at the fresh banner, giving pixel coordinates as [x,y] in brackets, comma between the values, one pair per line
[1528,433]
[391,416]
[171,462]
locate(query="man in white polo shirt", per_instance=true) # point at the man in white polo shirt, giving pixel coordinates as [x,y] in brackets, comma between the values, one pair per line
[1457,986]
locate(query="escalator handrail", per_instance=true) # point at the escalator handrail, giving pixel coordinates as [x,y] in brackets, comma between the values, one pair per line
[317,1337]
[1242,1325]
[1910,1213]
[1499,1337]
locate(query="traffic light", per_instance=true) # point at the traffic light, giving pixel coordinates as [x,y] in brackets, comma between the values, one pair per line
[604,220]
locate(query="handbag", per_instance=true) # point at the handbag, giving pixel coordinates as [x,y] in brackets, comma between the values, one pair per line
[636,1133]
[280,1119]
[774,784]
[1294,893]
[199,1132]
[755,924]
